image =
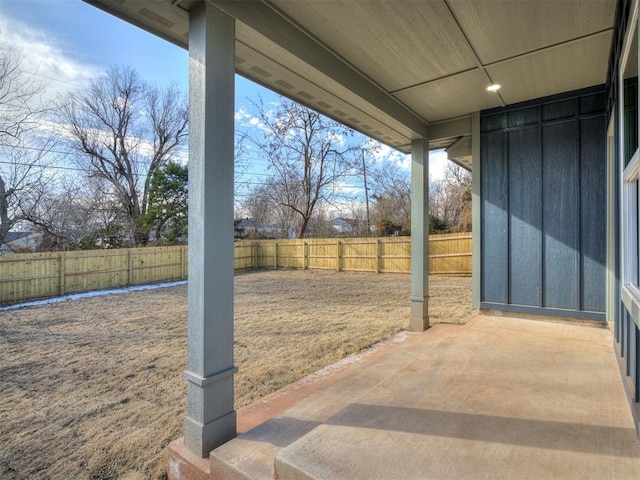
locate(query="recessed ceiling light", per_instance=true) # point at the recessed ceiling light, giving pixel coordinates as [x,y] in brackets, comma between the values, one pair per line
[494,88]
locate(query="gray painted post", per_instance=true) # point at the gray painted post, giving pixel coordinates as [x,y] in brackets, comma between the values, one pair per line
[211,418]
[476,223]
[419,320]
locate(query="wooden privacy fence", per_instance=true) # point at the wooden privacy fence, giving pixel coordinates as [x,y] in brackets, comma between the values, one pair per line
[448,254]
[28,276]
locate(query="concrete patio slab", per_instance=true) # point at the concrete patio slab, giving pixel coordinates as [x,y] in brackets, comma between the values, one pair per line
[499,397]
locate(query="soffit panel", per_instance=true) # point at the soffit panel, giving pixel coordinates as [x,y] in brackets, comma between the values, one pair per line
[256,66]
[279,63]
[502,29]
[395,47]
[389,42]
[160,17]
[562,69]
[450,97]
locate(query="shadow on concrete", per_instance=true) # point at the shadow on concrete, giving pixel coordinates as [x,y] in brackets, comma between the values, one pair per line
[548,434]
[280,431]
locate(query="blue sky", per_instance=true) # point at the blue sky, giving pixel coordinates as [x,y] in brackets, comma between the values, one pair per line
[86,41]
[71,42]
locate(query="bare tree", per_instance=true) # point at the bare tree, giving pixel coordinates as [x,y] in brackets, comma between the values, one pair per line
[124,130]
[391,198]
[25,181]
[267,203]
[25,151]
[450,199]
[356,211]
[308,155]
[20,102]
[77,214]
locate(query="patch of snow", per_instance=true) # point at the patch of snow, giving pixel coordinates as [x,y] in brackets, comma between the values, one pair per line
[97,293]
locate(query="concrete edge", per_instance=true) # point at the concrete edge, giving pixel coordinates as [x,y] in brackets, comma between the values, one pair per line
[261,410]
[489,312]
[183,464]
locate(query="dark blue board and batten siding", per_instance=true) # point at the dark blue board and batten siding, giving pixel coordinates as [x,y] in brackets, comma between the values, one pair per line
[543,177]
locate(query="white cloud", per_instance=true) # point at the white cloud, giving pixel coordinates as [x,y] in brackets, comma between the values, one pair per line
[347,188]
[336,138]
[381,154]
[246,120]
[57,71]
[242,114]
[438,162]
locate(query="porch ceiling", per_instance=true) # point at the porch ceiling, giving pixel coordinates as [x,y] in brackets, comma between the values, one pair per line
[397,70]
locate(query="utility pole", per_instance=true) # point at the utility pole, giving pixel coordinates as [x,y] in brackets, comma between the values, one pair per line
[366,191]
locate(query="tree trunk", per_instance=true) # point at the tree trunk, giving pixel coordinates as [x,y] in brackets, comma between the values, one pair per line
[303,228]
[5,221]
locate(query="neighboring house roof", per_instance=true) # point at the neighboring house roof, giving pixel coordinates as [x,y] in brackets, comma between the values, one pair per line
[344,224]
[245,223]
[14,236]
[20,241]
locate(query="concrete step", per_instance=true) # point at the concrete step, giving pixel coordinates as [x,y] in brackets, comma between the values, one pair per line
[291,414]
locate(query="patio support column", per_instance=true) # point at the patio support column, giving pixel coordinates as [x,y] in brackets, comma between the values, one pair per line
[419,235]
[211,418]
[476,221]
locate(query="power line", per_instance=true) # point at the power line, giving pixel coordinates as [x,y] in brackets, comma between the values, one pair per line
[61,152]
[55,167]
[135,174]
[38,74]
[87,171]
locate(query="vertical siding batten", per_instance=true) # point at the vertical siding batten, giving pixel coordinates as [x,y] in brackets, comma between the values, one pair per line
[525,241]
[547,158]
[495,217]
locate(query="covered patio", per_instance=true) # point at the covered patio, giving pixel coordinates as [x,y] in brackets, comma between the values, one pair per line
[539,100]
[499,397]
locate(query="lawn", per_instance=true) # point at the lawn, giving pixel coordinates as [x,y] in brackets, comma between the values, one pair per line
[93,388]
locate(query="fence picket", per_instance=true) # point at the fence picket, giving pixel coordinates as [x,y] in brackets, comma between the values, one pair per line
[26,276]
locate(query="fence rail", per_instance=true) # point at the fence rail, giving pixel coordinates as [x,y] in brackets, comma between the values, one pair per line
[28,276]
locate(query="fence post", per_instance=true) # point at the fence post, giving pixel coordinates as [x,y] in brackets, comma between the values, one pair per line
[181,261]
[130,266]
[255,255]
[378,255]
[275,256]
[63,271]
[305,255]
[338,255]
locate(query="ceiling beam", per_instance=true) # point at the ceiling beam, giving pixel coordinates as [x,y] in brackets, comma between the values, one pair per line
[549,48]
[475,54]
[458,127]
[267,20]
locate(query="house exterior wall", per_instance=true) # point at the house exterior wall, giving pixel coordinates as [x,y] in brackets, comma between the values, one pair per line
[543,207]
[623,309]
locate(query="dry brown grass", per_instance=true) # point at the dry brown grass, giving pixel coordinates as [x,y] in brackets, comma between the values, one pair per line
[93,389]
